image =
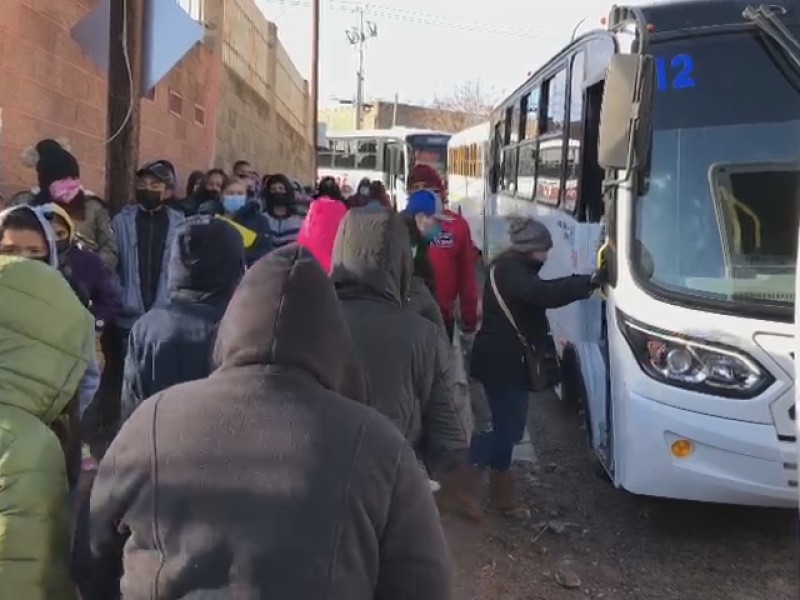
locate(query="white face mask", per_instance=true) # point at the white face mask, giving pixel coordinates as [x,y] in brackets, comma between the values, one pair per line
[363,191]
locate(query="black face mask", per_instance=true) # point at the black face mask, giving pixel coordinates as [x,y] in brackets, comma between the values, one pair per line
[62,246]
[148,199]
[280,199]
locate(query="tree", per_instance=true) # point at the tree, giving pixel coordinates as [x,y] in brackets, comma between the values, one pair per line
[466,105]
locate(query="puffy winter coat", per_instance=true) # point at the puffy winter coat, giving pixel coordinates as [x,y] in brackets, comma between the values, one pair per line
[45,345]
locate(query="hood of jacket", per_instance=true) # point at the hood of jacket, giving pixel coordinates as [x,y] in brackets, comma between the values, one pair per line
[373,252]
[285,313]
[318,232]
[47,229]
[269,199]
[206,262]
[46,338]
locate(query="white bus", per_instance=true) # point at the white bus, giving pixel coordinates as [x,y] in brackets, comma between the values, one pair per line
[677,127]
[383,154]
[467,154]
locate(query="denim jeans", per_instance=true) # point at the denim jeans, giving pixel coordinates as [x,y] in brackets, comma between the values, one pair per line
[509,406]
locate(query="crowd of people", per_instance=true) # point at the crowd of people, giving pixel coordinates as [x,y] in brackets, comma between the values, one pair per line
[238,392]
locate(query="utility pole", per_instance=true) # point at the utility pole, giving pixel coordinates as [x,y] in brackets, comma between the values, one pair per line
[358,36]
[124,86]
[394,109]
[314,83]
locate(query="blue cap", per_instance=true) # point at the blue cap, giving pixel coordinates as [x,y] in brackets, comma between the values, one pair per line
[427,203]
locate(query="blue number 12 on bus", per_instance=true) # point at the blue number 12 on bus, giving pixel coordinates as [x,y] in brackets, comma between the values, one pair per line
[675,73]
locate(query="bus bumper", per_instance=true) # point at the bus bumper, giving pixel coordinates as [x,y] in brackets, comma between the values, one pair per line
[731,462]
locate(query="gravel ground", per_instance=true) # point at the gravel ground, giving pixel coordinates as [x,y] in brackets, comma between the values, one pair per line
[586,539]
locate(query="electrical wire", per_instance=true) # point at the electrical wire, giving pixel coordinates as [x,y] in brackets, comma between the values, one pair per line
[408,16]
[127,58]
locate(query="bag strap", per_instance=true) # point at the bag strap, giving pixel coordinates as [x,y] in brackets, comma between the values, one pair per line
[504,307]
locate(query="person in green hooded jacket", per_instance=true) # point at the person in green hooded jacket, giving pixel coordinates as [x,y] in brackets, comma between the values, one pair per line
[45,348]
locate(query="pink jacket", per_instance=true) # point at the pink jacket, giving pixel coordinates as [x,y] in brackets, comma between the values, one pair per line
[318,232]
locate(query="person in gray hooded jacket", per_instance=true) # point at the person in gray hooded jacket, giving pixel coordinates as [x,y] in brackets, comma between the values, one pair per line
[407,359]
[270,478]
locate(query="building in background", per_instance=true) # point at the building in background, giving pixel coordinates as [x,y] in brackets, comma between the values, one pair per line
[380,114]
[264,110]
[231,97]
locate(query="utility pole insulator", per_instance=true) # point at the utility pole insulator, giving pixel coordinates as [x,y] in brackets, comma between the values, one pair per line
[358,36]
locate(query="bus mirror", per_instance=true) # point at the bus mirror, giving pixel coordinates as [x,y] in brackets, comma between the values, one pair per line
[625,114]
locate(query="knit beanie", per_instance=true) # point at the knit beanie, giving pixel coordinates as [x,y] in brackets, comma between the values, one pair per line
[528,235]
[55,163]
[426,174]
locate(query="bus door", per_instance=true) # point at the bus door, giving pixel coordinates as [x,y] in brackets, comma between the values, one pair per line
[394,169]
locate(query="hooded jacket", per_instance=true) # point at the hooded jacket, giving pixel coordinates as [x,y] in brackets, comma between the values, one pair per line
[45,347]
[87,270]
[453,258]
[92,221]
[318,232]
[90,382]
[249,217]
[173,344]
[267,479]
[283,229]
[406,358]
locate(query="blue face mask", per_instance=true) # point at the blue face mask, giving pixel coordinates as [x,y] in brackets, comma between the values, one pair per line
[233,203]
[432,233]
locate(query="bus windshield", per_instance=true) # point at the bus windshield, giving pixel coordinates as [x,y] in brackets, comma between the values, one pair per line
[718,219]
[430,150]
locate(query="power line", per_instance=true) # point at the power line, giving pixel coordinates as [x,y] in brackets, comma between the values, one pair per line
[419,18]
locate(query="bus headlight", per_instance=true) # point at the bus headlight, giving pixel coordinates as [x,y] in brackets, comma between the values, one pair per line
[694,364]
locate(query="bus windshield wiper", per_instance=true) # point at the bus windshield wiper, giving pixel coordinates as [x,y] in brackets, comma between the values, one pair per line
[765,18]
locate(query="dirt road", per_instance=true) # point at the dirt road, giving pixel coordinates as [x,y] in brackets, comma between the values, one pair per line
[587,540]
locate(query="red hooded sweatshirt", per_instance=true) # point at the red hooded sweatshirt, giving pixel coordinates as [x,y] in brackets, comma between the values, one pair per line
[318,232]
[452,256]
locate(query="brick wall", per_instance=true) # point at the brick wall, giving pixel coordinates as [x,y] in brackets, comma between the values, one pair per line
[201,114]
[49,89]
[176,117]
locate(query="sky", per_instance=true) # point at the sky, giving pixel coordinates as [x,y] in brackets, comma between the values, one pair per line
[425,49]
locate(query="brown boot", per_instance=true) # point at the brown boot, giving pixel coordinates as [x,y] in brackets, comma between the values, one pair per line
[459,493]
[502,496]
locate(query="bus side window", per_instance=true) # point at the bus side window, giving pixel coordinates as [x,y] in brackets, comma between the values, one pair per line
[367,154]
[345,154]
[575,133]
[495,173]
[324,157]
[592,205]
[510,156]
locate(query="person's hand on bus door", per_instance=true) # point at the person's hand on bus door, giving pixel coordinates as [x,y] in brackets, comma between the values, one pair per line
[599,277]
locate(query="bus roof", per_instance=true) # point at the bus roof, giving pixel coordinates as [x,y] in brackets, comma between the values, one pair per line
[394,132]
[475,134]
[685,15]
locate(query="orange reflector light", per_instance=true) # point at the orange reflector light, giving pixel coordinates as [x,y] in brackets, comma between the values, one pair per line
[682,448]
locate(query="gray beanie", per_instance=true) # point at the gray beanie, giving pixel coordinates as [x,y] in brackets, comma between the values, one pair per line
[528,235]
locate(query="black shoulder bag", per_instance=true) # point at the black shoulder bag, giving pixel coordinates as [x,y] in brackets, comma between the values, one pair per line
[541,363]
